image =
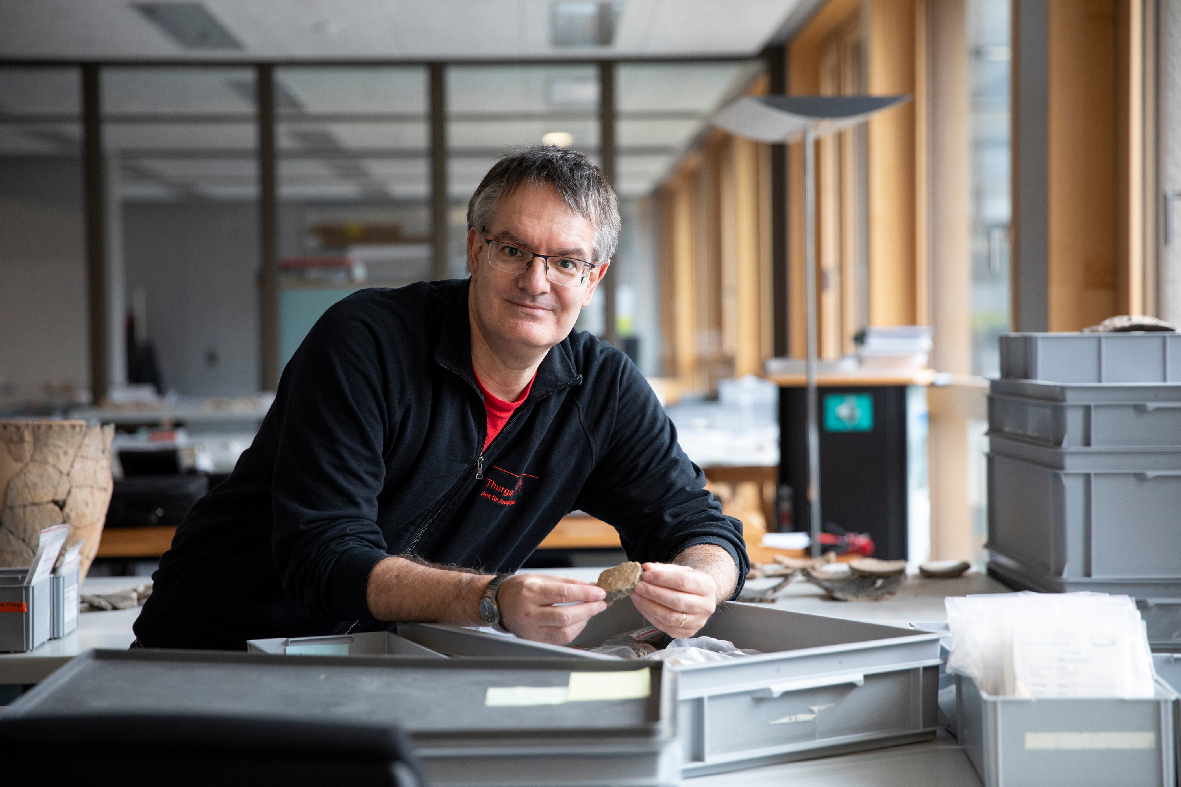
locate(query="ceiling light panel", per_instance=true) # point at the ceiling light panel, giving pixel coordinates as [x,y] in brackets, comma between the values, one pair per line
[190,25]
[500,89]
[583,23]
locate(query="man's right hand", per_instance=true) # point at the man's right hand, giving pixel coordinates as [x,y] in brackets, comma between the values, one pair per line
[529,606]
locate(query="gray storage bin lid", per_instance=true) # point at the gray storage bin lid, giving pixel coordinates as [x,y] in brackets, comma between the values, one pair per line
[430,698]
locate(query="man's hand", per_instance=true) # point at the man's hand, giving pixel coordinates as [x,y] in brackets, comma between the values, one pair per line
[528,606]
[678,600]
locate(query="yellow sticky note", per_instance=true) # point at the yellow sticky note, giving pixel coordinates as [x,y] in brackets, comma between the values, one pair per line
[504,696]
[585,686]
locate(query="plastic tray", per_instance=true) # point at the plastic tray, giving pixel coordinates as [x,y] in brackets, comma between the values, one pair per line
[26,611]
[374,643]
[1148,357]
[1056,530]
[1073,742]
[442,703]
[821,686]
[1128,424]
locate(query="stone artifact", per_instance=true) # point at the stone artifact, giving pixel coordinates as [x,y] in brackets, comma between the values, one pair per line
[857,587]
[620,581]
[53,472]
[872,567]
[944,569]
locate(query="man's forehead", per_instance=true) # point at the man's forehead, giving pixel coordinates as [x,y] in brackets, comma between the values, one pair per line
[527,206]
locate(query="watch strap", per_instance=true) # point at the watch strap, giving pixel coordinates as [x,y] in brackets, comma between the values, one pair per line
[491,591]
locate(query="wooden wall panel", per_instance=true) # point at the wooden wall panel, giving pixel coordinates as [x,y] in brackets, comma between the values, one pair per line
[1082,163]
[893,242]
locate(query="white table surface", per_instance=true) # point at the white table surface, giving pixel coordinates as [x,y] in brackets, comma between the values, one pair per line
[95,630]
[937,763]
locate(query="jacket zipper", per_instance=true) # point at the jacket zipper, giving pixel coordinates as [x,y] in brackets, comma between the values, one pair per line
[446,501]
[454,487]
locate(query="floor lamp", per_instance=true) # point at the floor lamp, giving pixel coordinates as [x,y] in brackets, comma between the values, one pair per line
[779,119]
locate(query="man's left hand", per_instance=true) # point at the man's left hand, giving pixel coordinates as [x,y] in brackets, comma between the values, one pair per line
[678,600]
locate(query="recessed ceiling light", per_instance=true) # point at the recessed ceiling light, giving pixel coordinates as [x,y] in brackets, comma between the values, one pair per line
[189,24]
[583,23]
[561,139]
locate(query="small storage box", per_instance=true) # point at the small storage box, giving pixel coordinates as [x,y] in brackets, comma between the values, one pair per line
[26,611]
[375,643]
[473,721]
[1072,742]
[1057,417]
[821,686]
[1058,530]
[1139,357]
[65,603]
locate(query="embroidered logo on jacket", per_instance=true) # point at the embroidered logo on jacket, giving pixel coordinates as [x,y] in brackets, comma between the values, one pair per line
[503,487]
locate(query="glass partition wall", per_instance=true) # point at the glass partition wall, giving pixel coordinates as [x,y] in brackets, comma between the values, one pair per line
[43,355]
[357,155]
[353,183]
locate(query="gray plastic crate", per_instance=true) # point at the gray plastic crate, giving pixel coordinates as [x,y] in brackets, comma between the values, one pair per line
[1128,424]
[441,703]
[1060,530]
[1072,742]
[1149,357]
[1162,619]
[821,686]
[375,643]
[64,590]
[1157,460]
[26,611]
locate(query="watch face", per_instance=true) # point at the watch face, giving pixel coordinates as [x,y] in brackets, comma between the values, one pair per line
[488,611]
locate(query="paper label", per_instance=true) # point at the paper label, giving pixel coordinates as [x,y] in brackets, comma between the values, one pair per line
[586,686]
[70,599]
[583,687]
[1075,741]
[13,606]
[507,696]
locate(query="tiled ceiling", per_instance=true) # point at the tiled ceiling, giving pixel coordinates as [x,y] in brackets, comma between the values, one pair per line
[384,29]
[361,131]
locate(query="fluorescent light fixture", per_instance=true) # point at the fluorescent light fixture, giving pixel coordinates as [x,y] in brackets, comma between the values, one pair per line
[561,139]
[583,23]
[582,93]
[189,24]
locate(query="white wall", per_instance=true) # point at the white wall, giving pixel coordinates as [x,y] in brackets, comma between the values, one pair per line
[43,305]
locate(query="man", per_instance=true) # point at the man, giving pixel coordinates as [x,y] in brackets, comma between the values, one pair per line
[423,441]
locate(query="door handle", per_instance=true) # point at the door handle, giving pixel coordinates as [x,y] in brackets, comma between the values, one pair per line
[776,690]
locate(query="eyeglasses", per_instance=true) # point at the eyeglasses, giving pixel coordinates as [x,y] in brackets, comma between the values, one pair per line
[514,259]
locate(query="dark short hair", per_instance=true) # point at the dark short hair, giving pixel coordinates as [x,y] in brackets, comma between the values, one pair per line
[579,182]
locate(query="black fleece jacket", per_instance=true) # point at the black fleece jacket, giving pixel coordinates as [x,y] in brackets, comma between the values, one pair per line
[372,448]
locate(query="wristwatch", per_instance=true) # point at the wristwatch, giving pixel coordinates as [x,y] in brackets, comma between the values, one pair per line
[489,609]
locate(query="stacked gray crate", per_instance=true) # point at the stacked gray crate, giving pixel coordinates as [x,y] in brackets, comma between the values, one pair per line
[1084,466]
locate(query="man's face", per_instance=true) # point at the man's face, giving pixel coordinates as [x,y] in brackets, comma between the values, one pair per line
[526,313]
